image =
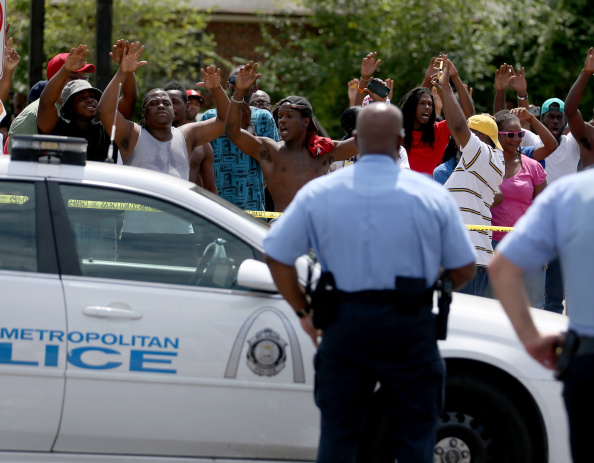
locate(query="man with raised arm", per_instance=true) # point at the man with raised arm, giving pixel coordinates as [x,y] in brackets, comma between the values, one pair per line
[155,144]
[581,131]
[299,157]
[477,176]
[76,117]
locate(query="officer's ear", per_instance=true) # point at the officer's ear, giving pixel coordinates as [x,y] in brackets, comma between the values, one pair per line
[355,137]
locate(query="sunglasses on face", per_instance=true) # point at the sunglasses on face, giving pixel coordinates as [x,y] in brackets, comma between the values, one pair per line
[512,135]
[233,80]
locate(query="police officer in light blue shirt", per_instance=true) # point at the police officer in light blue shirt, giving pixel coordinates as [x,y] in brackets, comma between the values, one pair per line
[560,223]
[384,234]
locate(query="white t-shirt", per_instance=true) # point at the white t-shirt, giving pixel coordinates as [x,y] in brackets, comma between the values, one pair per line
[402,162]
[563,161]
[473,185]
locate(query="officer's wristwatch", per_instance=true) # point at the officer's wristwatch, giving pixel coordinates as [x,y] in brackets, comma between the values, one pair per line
[304,312]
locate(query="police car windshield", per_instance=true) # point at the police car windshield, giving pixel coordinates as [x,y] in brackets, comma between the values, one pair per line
[232,207]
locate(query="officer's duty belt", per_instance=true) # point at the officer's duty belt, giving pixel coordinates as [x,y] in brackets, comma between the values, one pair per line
[402,302]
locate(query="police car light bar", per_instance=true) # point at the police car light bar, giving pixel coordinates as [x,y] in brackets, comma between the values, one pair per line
[49,149]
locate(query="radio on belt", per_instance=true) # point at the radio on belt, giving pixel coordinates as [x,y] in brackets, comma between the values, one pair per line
[49,149]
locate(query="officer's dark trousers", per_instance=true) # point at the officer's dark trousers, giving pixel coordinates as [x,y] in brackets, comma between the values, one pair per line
[370,343]
[577,392]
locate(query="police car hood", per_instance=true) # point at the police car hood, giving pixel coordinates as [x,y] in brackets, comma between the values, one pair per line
[479,329]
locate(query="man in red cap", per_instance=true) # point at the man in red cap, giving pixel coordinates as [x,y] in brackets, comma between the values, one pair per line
[195,102]
[26,122]
[299,157]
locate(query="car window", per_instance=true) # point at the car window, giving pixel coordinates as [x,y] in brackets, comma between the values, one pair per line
[127,236]
[18,238]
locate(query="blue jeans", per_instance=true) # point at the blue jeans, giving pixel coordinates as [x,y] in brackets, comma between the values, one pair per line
[371,343]
[534,282]
[479,285]
[577,393]
[554,287]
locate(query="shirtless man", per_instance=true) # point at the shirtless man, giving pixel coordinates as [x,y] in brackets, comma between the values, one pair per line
[289,164]
[156,144]
[581,131]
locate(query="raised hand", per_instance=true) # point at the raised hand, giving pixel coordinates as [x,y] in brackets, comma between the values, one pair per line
[352,90]
[118,50]
[375,96]
[76,58]
[369,65]
[129,61]
[432,69]
[247,76]
[503,76]
[469,90]
[518,82]
[11,57]
[212,78]
[390,85]
[522,113]
[589,64]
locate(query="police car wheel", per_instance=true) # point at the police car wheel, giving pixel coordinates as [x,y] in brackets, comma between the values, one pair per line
[480,424]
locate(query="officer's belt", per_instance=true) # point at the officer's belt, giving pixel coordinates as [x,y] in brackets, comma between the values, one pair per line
[403,301]
[585,345]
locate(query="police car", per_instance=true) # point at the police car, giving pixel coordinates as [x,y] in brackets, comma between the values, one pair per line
[139,322]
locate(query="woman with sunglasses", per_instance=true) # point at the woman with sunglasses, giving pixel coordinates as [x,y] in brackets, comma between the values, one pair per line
[523,180]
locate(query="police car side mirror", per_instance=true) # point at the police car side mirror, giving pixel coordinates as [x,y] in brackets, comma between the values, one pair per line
[254,274]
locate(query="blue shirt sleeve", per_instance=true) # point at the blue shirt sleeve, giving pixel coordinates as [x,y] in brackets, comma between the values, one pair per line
[529,151]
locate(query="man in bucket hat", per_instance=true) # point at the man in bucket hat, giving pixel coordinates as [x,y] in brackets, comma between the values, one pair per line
[476,178]
[299,157]
[26,122]
[76,117]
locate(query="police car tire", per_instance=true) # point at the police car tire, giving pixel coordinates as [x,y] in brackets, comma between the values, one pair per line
[475,412]
[486,420]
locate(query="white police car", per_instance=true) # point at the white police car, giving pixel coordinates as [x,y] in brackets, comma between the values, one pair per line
[138,322]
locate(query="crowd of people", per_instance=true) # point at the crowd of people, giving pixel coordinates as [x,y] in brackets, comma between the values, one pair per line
[260,156]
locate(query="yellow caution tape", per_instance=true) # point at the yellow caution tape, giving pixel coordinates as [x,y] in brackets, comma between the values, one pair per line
[273,215]
[13,199]
[109,205]
[265,214]
[489,227]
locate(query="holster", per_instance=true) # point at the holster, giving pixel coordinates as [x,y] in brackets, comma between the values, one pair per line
[444,287]
[324,301]
[564,352]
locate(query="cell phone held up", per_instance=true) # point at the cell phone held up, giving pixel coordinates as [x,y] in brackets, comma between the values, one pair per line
[378,88]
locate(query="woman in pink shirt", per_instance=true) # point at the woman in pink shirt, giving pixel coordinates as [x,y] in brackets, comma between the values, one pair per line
[523,180]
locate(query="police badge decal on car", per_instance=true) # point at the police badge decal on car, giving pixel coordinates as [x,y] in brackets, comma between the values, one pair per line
[267,354]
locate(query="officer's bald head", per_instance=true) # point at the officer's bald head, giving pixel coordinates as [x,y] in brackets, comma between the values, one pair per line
[379,129]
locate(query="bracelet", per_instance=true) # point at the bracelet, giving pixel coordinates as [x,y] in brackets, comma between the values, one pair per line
[360,90]
[365,80]
[236,101]
[523,97]
[304,312]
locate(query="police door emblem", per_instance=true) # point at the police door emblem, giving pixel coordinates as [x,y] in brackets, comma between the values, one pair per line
[267,353]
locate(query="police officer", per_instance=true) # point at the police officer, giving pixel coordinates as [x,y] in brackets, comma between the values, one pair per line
[383,234]
[560,223]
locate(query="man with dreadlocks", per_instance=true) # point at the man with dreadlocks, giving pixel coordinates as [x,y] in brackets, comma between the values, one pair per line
[154,143]
[299,157]
[425,140]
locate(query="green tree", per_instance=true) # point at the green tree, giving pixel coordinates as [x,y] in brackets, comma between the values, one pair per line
[170,30]
[317,55]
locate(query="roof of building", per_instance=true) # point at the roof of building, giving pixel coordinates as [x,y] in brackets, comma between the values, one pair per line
[251,7]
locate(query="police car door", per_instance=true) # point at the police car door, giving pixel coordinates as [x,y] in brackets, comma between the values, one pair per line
[166,355]
[32,320]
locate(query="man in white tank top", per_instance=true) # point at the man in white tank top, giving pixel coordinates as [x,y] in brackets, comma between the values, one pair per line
[154,143]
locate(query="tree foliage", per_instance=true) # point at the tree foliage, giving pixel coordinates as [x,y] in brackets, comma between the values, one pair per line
[176,46]
[319,54]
